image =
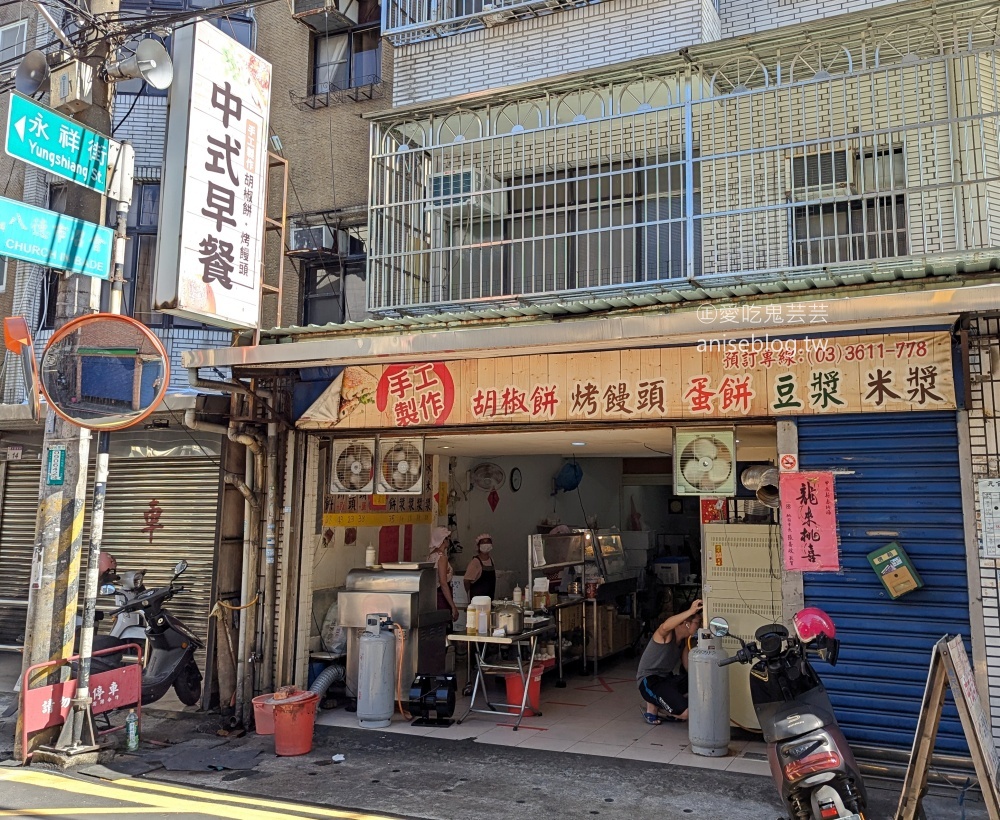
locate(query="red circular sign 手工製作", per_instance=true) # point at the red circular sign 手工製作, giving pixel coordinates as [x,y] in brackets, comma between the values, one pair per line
[403,379]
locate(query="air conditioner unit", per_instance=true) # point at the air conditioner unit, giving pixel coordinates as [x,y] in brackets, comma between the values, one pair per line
[820,174]
[326,16]
[466,193]
[313,238]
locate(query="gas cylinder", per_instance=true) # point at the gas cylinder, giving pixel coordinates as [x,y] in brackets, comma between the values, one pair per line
[376,672]
[708,697]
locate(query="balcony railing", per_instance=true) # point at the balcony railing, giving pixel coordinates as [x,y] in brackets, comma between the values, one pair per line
[841,174]
[410,21]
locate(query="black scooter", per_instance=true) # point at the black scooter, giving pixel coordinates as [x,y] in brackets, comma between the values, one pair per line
[811,761]
[170,646]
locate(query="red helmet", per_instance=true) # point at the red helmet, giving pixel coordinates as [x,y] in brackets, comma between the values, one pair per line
[107,563]
[812,623]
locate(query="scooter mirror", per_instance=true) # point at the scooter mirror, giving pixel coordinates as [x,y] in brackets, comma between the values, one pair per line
[181,566]
[107,589]
[719,627]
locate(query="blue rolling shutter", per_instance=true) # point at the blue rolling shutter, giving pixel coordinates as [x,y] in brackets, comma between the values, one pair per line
[904,478]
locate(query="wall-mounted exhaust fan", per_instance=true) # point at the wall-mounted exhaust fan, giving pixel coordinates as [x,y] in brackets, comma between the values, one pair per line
[353,467]
[487,476]
[400,466]
[705,462]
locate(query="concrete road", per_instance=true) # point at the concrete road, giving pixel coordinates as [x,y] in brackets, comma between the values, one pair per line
[34,793]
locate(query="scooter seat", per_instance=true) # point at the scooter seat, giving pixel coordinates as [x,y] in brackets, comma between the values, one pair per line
[795,722]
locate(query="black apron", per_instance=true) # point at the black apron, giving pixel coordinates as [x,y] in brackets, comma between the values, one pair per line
[485,584]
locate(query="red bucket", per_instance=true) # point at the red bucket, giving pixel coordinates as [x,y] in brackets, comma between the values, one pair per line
[515,691]
[263,715]
[294,720]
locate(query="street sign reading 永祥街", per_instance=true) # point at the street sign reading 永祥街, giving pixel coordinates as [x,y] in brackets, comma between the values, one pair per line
[54,240]
[46,139]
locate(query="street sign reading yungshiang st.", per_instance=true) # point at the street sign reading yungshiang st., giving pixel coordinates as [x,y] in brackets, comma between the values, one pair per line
[41,137]
[54,240]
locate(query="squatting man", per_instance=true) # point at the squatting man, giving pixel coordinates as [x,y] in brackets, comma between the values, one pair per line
[664,686]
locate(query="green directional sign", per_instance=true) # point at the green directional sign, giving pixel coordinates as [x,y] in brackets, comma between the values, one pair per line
[41,137]
[54,240]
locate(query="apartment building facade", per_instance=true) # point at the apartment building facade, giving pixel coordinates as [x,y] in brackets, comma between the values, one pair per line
[572,196]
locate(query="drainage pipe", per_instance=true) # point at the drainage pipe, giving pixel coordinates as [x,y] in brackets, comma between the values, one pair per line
[270,559]
[251,561]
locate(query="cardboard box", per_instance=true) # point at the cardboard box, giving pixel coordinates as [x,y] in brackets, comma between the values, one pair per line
[601,640]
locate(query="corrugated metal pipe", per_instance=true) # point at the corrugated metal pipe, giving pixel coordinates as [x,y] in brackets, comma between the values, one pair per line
[334,673]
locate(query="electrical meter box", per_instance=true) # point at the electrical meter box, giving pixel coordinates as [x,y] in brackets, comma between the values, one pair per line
[893,567]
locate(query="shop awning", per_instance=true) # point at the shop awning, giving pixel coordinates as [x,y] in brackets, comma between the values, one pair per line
[925,303]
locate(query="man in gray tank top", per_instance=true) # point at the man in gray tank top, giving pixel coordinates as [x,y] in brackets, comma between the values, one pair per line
[661,684]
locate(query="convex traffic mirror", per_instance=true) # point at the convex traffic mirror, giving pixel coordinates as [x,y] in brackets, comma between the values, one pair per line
[104,372]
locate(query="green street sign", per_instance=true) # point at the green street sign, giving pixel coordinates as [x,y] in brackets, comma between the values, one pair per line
[54,240]
[55,467]
[41,137]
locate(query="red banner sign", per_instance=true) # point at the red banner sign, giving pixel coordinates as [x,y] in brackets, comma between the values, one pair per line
[809,522]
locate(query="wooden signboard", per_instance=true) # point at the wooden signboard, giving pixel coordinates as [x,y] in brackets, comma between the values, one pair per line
[879,373]
[950,667]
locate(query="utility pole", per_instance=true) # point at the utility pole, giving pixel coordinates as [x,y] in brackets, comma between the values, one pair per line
[55,569]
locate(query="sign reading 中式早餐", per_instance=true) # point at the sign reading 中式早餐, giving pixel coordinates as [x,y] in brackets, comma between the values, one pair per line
[54,240]
[46,139]
[210,270]
[877,373]
[809,522]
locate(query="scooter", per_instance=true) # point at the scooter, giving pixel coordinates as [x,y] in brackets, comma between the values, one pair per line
[170,644]
[811,761]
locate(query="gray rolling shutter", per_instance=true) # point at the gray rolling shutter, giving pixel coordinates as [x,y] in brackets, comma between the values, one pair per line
[182,524]
[186,491]
[17,538]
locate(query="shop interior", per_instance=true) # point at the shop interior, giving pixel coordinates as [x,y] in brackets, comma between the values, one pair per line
[616,487]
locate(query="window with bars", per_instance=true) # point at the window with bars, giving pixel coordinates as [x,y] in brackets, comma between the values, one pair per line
[871,224]
[611,224]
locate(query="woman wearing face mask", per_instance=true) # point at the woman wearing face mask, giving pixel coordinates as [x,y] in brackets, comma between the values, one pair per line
[481,575]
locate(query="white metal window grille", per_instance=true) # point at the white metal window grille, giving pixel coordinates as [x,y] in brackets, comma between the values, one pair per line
[882,171]
[863,227]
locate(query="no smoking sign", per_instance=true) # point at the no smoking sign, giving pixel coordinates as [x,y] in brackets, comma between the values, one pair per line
[788,463]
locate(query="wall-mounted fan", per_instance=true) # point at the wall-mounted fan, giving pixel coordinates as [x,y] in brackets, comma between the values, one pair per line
[705,462]
[487,476]
[400,466]
[353,470]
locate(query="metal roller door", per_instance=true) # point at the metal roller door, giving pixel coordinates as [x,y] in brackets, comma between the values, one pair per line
[158,511]
[17,539]
[900,481]
[181,524]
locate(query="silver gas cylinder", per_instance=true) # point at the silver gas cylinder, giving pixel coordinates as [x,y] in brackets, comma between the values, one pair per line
[708,697]
[376,673]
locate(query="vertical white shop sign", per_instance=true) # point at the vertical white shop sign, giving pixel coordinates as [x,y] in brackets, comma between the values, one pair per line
[208,264]
[989,516]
